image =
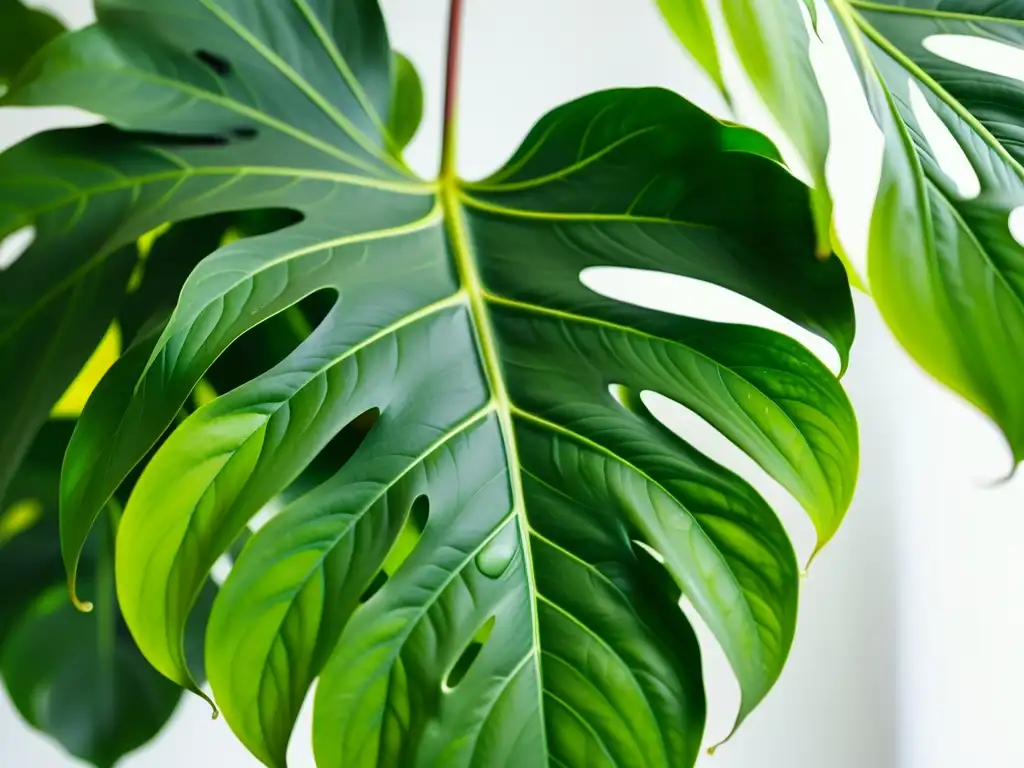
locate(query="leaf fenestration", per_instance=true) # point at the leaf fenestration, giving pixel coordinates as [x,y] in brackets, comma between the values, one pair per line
[458,318]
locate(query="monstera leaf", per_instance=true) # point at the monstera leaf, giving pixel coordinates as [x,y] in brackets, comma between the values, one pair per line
[490,571]
[950,285]
[943,265]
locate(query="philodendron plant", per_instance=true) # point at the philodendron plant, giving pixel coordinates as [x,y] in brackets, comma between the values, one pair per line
[391,405]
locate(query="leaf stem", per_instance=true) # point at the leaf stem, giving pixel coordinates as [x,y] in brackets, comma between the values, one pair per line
[451,88]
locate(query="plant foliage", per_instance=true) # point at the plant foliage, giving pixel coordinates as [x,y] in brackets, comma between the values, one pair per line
[943,264]
[485,533]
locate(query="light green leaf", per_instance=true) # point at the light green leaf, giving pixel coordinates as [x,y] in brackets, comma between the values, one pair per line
[771,40]
[406,100]
[474,583]
[943,265]
[690,20]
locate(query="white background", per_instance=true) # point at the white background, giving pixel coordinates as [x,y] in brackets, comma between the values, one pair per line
[908,651]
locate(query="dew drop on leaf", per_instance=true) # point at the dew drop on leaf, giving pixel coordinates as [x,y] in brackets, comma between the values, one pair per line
[495,557]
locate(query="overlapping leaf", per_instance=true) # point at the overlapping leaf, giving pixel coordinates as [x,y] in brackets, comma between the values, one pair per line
[79,678]
[950,285]
[475,584]
[770,39]
[943,265]
[23,31]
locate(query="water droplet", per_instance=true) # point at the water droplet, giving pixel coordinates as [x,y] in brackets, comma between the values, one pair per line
[495,557]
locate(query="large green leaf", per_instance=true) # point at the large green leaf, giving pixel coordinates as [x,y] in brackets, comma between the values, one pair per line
[771,40]
[944,266]
[493,576]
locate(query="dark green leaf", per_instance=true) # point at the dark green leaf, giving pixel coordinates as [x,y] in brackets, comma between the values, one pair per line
[503,485]
[77,677]
[29,545]
[23,31]
[90,690]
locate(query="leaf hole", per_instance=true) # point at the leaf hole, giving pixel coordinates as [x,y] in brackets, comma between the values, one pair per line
[13,246]
[410,535]
[687,296]
[703,436]
[221,569]
[948,154]
[267,512]
[619,394]
[655,554]
[469,655]
[214,62]
[265,345]
[978,53]
[1016,224]
[374,587]
[244,133]
[343,446]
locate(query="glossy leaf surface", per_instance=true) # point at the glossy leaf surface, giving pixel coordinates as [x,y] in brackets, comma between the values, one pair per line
[771,40]
[945,268]
[943,264]
[474,584]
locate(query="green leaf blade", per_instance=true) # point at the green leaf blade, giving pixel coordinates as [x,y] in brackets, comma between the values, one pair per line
[943,266]
[407,101]
[772,42]
[533,615]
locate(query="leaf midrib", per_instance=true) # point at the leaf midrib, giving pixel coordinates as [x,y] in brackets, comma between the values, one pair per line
[923,177]
[461,248]
[933,13]
[935,87]
[551,426]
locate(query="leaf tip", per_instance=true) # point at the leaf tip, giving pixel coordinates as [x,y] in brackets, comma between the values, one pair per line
[85,606]
[1001,481]
[214,712]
